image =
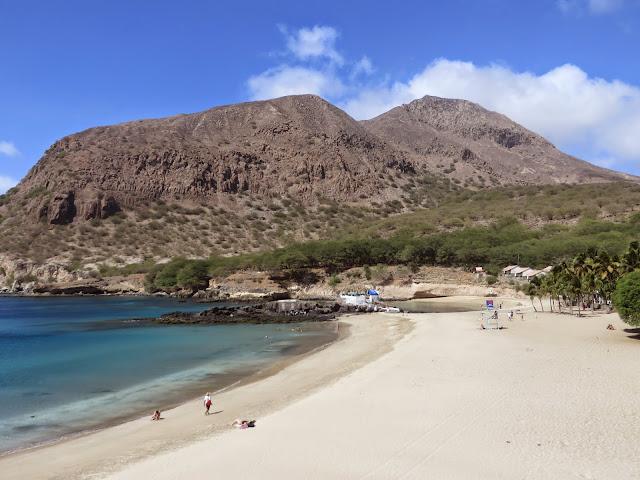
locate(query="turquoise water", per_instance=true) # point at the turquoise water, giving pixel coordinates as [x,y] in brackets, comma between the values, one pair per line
[74,364]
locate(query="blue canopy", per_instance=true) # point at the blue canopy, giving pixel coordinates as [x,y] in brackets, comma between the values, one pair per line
[372,292]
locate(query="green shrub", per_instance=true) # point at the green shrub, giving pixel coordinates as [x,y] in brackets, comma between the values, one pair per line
[367,271]
[626,298]
[36,192]
[28,278]
[194,275]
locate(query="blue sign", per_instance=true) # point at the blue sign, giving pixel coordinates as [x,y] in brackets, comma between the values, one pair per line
[489,303]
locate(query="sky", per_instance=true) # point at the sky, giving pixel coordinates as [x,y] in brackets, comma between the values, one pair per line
[567,69]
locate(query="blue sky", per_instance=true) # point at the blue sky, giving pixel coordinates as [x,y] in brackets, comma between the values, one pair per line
[567,69]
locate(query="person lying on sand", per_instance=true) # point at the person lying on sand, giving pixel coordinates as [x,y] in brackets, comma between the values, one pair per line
[156,415]
[243,423]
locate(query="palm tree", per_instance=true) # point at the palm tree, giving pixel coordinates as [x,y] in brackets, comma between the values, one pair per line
[608,270]
[583,268]
[631,259]
[537,290]
[559,278]
[531,290]
[550,288]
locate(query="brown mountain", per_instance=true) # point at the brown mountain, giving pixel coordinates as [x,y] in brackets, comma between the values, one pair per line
[472,144]
[257,175]
[302,146]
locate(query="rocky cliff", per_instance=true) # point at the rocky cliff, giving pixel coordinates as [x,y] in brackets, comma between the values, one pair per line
[302,146]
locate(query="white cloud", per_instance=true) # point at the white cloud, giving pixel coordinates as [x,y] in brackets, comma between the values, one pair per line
[6,183]
[592,118]
[317,42]
[595,7]
[286,80]
[605,162]
[9,149]
[564,105]
[567,6]
[598,7]
[315,66]
[363,66]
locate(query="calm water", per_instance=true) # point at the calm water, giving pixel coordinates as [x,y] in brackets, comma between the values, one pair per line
[74,364]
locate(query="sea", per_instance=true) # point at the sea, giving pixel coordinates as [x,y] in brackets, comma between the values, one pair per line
[71,365]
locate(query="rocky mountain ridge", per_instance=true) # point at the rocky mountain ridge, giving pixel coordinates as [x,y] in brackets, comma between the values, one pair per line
[258,175]
[479,145]
[300,146]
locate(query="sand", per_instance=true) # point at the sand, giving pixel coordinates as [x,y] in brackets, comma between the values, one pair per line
[404,396]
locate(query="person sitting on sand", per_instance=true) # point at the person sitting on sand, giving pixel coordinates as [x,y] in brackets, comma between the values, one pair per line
[156,415]
[610,327]
[243,423]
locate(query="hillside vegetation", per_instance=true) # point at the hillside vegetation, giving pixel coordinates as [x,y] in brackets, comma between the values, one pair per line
[539,226]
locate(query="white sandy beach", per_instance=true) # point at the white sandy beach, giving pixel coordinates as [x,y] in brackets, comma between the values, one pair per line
[405,396]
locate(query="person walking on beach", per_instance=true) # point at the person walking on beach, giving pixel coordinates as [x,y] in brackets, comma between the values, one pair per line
[207,403]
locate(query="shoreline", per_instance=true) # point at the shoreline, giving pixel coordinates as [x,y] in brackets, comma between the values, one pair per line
[182,425]
[400,396]
[548,396]
[216,382]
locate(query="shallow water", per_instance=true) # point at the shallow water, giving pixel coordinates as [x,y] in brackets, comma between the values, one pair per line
[73,364]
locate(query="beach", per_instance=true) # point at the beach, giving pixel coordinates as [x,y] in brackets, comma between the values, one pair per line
[400,396]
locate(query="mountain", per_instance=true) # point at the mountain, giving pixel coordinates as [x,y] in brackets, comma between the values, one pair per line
[476,146]
[258,175]
[302,146]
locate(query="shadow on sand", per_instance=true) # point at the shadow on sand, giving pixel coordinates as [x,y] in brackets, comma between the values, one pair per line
[635,333]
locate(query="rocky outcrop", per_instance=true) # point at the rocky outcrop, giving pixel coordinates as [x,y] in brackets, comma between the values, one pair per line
[60,210]
[18,276]
[270,312]
[15,274]
[102,208]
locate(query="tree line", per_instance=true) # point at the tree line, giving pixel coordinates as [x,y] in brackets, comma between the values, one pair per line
[592,279]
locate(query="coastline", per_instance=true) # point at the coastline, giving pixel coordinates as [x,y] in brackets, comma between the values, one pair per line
[552,396]
[166,393]
[111,448]
[404,396]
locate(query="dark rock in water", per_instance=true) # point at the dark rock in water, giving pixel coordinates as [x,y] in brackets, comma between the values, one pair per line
[284,311]
[70,290]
